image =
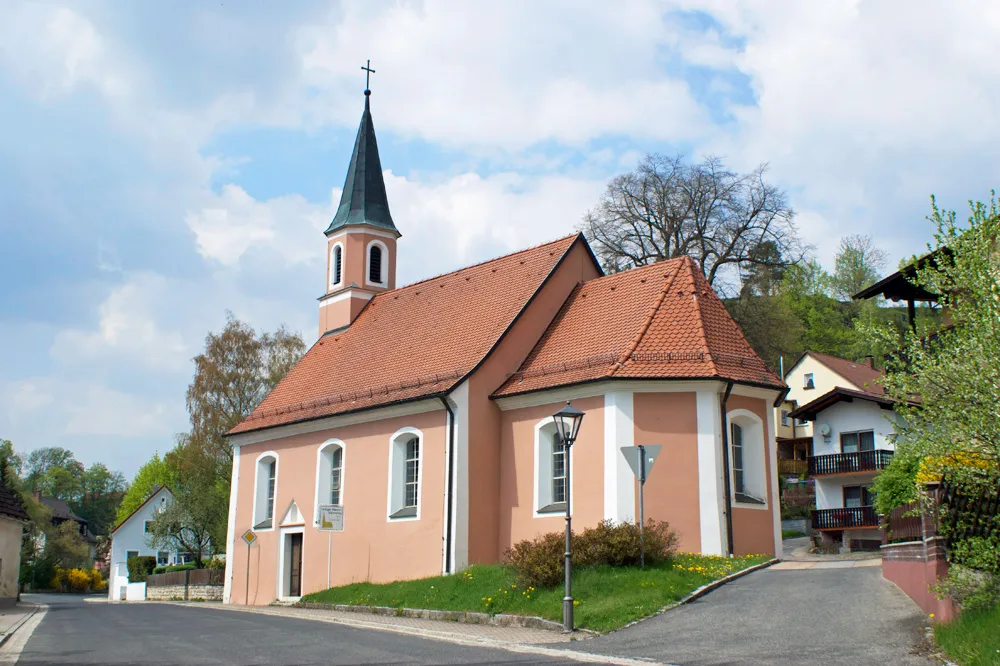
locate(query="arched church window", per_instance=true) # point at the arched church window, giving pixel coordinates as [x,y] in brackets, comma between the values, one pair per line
[375,264]
[330,474]
[265,489]
[404,473]
[748,455]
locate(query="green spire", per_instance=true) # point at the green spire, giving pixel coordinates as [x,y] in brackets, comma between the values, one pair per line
[363,200]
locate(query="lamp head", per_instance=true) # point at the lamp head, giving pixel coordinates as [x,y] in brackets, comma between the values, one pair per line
[568,421]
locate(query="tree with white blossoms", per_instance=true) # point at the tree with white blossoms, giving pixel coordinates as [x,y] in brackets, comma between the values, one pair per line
[947,383]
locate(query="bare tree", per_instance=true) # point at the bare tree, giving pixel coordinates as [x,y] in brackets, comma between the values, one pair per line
[858,264]
[667,208]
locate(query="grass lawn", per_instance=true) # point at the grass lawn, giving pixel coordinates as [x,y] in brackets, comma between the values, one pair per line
[973,639]
[606,597]
[791,534]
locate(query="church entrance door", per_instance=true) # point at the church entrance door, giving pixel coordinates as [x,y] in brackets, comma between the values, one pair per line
[295,565]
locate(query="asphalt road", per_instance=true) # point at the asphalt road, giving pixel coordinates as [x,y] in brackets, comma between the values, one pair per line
[73,632]
[815,616]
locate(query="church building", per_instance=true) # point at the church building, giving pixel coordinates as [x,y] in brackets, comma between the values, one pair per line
[424,412]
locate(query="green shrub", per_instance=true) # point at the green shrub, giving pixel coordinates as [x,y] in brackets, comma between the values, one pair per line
[139,567]
[539,562]
[795,511]
[216,563]
[619,545]
[896,485]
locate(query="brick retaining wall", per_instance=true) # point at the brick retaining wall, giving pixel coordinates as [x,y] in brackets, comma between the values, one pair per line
[916,566]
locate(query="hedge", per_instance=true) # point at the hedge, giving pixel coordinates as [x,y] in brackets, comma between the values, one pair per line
[174,567]
[139,567]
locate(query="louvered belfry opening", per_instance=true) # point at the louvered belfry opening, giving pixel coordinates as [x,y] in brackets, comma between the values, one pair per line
[375,264]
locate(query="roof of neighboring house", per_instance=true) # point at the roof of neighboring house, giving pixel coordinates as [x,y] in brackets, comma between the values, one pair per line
[662,321]
[839,394]
[861,375]
[414,342]
[156,491]
[900,286]
[60,509]
[10,503]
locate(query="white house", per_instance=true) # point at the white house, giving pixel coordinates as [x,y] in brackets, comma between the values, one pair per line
[128,539]
[853,434]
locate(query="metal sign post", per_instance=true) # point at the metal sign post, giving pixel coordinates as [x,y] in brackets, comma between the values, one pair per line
[640,459]
[249,538]
[331,519]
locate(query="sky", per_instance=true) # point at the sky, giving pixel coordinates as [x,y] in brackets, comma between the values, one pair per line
[164,163]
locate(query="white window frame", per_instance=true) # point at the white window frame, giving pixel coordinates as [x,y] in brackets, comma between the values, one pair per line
[333,249]
[385,264]
[786,419]
[396,490]
[324,461]
[545,432]
[755,459]
[145,526]
[808,381]
[260,502]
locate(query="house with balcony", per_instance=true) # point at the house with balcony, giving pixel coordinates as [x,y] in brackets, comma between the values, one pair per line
[853,439]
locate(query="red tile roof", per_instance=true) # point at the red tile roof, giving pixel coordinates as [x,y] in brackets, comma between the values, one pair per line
[860,374]
[662,321]
[413,342]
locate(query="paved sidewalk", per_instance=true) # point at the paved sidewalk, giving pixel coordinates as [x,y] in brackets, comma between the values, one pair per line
[440,628]
[13,617]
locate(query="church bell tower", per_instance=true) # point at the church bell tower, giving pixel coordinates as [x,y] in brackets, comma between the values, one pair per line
[361,239]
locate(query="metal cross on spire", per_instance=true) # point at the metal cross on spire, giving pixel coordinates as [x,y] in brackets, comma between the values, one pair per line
[368,73]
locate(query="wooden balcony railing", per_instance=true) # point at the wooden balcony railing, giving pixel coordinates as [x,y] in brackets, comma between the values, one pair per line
[846,463]
[841,519]
[793,467]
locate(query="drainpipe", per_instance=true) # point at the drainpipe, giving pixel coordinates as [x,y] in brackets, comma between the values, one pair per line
[725,469]
[449,497]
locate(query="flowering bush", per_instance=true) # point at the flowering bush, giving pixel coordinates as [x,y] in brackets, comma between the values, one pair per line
[78,580]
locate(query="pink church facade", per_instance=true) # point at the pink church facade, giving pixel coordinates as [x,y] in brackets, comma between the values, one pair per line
[425,413]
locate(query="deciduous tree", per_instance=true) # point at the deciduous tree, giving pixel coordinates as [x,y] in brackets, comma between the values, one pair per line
[232,376]
[668,208]
[858,264]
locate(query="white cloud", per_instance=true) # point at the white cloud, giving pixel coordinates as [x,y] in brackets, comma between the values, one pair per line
[233,221]
[127,329]
[502,74]
[55,49]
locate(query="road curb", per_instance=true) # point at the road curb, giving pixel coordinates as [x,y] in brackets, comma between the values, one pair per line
[700,592]
[462,617]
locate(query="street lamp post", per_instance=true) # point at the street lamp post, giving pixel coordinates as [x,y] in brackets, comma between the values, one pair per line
[568,421]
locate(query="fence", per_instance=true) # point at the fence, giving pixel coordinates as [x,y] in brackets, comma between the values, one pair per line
[967,515]
[189,584]
[904,523]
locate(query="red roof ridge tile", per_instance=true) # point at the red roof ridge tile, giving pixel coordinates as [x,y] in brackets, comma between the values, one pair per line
[405,287]
[699,315]
[646,324]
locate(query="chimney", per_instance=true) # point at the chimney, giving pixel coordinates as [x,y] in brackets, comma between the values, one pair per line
[870,361]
